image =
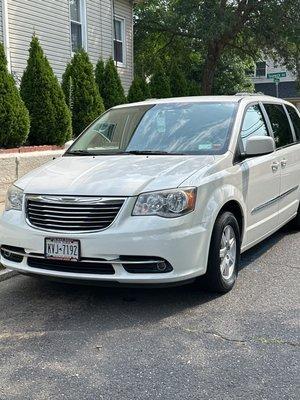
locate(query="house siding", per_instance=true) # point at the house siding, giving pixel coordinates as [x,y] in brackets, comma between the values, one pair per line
[50,21]
[123,8]
[99,29]
[100,33]
[1,23]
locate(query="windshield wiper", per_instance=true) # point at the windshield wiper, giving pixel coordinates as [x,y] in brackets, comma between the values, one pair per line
[146,152]
[80,153]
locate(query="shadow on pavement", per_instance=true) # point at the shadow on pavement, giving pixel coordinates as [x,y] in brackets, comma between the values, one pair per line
[260,249]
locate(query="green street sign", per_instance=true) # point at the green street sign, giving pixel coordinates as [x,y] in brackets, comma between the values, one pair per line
[276,75]
[276,80]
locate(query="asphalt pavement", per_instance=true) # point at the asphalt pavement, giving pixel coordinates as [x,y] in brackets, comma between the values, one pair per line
[60,341]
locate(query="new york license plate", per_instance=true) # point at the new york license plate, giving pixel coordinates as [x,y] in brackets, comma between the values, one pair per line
[62,249]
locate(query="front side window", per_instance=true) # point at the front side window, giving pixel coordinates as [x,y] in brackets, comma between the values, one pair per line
[119,40]
[295,120]
[177,128]
[253,125]
[280,124]
[77,24]
[261,69]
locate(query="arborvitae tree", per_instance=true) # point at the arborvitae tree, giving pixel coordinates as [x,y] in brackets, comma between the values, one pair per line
[81,92]
[14,117]
[194,88]
[160,83]
[49,115]
[113,92]
[145,88]
[138,91]
[99,75]
[178,82]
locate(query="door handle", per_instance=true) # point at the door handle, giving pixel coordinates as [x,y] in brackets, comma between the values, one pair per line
[283,163]
[275,166]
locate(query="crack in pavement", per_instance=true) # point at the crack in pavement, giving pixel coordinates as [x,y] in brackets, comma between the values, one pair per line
[261,340]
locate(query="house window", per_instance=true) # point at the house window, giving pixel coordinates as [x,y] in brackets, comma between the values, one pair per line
[119,40]
[261,69]
[77,13]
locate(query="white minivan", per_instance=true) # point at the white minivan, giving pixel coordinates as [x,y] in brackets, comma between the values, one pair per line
[159,192]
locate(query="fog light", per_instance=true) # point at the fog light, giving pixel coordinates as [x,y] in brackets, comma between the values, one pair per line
[161,267]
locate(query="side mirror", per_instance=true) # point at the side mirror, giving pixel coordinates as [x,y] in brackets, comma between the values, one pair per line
[259,145]
[68,144]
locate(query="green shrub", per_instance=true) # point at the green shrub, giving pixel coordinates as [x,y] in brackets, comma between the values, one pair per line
[81,92]
[113,92]
[178,82]
[49,115]
[160,83]
[99,75]
[139,90]
[14,117]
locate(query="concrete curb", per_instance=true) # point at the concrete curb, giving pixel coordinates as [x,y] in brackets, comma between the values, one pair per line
[7,274]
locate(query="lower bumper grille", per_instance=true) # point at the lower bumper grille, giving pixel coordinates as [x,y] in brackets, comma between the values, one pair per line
[72,266]
[97,266]
[8,254]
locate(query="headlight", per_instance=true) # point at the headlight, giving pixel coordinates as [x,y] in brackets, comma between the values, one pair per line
[14,199]
[168,203]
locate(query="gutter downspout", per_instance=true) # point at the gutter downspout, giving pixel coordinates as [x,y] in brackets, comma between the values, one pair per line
[6,33]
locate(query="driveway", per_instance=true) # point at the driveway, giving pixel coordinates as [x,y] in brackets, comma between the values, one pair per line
[60,341]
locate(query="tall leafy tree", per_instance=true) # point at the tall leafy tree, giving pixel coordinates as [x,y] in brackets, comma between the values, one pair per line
[216,29]
[160,82]
[112,90]
[139,90]
[49,115]
[14,117]
[178,81]
[99,75]
[231,76]
[81,92]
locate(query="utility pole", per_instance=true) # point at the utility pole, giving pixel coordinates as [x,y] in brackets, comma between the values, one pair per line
[277,80]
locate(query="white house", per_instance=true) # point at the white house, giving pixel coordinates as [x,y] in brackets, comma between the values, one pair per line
[267,72]
[102,27]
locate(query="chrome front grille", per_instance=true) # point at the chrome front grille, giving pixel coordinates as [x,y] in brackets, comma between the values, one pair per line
[72,214]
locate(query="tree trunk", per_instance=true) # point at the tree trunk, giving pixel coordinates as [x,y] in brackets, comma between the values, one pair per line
[209,68]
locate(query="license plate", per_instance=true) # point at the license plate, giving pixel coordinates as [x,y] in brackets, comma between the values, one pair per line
[62,249]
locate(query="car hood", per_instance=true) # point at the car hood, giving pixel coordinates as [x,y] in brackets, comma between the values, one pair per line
[122,175]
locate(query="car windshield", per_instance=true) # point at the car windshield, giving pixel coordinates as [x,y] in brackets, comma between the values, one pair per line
[172,128]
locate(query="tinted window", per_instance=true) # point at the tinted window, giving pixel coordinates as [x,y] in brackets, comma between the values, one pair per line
[295,120]
[175,128]
[253,125]
[280,124]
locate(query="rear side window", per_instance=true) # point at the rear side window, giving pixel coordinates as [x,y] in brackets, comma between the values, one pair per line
[253,125]
[280,125]
[295,120]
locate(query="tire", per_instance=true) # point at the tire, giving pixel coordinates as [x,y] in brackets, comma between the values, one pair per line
[224,255]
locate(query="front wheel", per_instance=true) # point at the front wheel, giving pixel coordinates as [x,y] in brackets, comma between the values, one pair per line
[224,254]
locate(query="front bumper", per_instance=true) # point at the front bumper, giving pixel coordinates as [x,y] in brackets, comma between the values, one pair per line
[180,242]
